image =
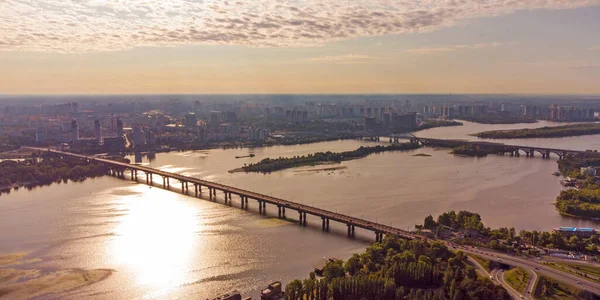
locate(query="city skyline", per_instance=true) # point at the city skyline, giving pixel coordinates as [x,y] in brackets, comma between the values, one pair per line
[269,47]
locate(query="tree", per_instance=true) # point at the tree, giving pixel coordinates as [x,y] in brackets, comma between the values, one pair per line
[353,265]
[429,223]
[293,290]
[333,269]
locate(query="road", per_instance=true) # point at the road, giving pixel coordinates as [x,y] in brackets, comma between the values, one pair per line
[539,268]
[498,275]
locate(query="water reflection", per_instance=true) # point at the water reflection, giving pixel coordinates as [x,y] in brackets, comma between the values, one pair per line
[156,238]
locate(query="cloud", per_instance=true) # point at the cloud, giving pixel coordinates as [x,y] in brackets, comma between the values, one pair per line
[345,59]
[431,50]
[594,48]
[108,25]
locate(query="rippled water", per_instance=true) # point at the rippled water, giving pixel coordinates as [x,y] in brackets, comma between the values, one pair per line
[163,245]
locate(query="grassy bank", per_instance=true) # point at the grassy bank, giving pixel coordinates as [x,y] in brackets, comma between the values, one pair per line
[517,278]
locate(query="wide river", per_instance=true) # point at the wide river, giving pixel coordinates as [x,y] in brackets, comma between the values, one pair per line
[164,245]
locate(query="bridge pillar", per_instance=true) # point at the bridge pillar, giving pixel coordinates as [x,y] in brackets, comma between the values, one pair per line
[304,223]
[196,189]
[517,154]
[168,183]
[210,193]
[352,230]
[260,207]
[199,189]
[246,200]
[283,212]
[349,230]
[279,211]
[300,218]
[164,182]
[264,204]
[186,188]
[215,193]
[131,174]
[183,187]
[323,221]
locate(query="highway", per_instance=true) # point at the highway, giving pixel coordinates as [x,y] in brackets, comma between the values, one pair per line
[534,266]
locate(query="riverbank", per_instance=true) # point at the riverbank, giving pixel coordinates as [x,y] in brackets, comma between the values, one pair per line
[543,132]
[31,173]
[268,165]
[497,119]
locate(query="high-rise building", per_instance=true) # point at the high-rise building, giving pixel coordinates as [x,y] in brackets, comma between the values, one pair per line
[74,131]
[98,132]
[119,127]
[190,122]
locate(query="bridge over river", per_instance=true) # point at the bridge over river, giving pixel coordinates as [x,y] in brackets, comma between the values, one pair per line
[512,150]
[120,169]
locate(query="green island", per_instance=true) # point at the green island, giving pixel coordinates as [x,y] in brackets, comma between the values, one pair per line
[467,228]
[38,172]
[518,278]
[431,123]
[585,201]
[498,118]
[542,132]
[470,150]
[398,269]
[270,165]
[549,289]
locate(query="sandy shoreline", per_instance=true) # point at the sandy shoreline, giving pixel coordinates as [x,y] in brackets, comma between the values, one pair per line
[30,283]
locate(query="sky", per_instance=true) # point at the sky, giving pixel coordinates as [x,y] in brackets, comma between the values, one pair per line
[299,46]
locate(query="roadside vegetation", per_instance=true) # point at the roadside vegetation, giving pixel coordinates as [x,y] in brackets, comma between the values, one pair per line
[471,150]
[398,269]
[518,278]
[543,132]
[550,289]
[467,228]
[268,165]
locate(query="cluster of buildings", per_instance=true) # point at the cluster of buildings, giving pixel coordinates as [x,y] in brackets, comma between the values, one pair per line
[573,231]
[570,113]
[392,122]
[454,110]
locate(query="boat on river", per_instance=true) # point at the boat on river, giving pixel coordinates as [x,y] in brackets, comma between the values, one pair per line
[244,156]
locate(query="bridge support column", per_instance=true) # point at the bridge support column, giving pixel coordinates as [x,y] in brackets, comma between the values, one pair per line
[186,188]
[215,193]
[349,230]
[199,189]
[147,179]
[168,183]
[136,177]
[327,224]
[323,221]
[304,222]
[131,174]
[283,212]
[210,193]
[300,218]
[352,230]
[246,200]
[196,189]
[279,211]
[183,187]
[164,182]
[264,210]
[259,207]
[547,155]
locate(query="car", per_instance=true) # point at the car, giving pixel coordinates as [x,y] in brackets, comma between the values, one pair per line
[537,268]
[579,282]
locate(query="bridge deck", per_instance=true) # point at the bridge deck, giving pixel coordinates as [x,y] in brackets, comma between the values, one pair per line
[361,223]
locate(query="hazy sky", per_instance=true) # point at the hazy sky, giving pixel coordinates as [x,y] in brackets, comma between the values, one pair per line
[300,46]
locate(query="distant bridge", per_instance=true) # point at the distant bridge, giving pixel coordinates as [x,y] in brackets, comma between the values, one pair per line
[119,169]
[512,150]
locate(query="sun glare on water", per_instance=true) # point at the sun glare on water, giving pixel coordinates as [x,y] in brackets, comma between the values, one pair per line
[156,238]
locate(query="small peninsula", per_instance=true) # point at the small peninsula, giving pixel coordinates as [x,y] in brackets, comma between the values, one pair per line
[543,132]
[268,165]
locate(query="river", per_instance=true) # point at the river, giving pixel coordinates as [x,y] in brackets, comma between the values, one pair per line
[164,245]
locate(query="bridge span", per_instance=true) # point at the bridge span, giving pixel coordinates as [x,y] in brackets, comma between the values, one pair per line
[119,169]
[500,148]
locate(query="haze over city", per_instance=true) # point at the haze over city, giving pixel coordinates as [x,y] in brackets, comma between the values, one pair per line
[300,149]
[232,47]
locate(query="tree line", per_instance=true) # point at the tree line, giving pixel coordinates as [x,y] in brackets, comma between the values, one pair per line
[398,269]
[275,164]
[543,132]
